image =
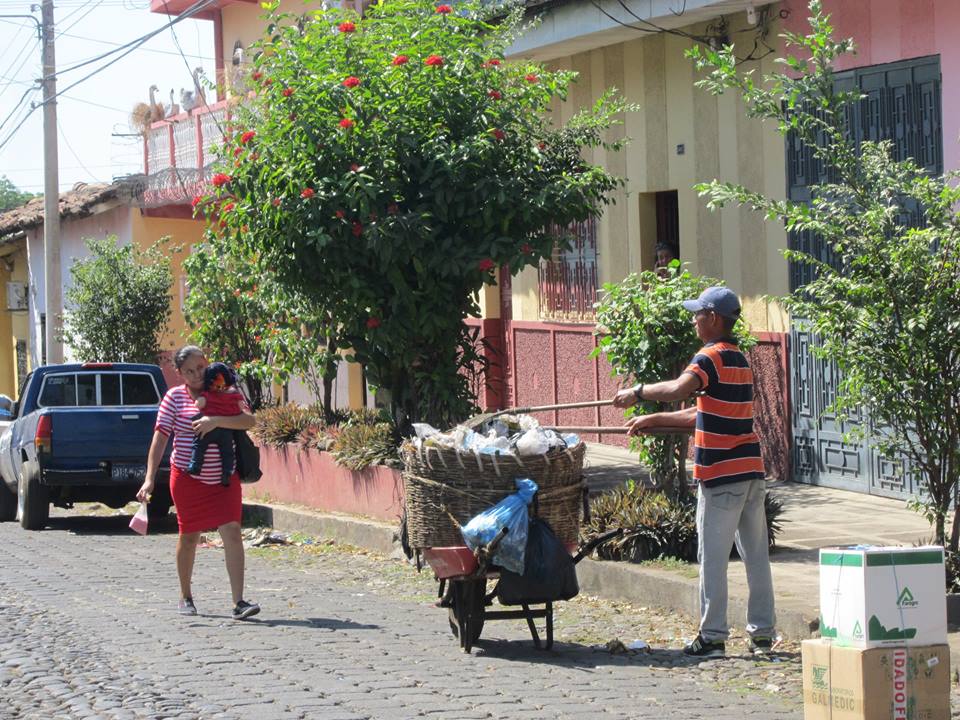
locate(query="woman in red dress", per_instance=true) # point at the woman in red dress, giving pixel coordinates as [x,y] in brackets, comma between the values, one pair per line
[202,502]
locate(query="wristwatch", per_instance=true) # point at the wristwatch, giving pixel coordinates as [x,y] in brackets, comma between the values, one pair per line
[638,392]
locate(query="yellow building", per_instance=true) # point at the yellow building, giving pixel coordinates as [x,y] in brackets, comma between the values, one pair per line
[87,211]
[540,322]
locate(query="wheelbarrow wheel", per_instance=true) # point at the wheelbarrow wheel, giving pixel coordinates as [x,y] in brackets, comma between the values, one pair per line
[466,609]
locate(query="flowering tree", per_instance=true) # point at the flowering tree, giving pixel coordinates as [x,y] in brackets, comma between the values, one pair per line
[388,165]
[248,319]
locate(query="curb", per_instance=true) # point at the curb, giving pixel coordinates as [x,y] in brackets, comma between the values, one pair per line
[627,582]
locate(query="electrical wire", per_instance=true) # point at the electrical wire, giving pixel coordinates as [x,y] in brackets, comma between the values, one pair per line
[63,136]
[127,49]
[144,49]
[17,107]
[93,7]
[198,6]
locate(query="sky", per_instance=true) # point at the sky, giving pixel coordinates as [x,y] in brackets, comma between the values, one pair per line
[91,115]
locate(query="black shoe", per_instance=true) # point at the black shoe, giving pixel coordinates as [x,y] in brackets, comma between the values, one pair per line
[760,644]
[705,649]
[245,609]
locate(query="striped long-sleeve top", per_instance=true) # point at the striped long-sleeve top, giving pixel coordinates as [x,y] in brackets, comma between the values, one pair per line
[726,449]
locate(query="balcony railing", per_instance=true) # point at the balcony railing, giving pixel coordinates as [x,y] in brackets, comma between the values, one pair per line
[177,154]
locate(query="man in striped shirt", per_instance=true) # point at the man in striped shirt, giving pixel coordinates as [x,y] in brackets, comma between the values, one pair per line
[727,466]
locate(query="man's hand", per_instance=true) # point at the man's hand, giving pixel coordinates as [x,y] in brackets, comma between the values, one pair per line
[638,425]
[625,398]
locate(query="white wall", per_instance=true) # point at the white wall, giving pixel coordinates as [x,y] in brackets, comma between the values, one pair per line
[73,232]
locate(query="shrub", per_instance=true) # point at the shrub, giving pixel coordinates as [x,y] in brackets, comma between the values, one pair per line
[361,444]
[655,525]
[283,424]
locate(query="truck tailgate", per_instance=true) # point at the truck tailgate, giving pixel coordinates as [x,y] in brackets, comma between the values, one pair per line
[83,437]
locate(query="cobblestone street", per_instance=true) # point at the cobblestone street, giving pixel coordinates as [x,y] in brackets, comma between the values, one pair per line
[87,613]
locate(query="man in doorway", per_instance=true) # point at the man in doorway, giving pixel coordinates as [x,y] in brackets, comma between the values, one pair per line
[727,467]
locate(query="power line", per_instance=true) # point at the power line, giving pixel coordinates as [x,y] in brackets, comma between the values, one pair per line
[93,7]
[73,152]
[133,44]
[144,49]
[127,49]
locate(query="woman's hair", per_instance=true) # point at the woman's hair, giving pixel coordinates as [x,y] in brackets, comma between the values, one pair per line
[185,352]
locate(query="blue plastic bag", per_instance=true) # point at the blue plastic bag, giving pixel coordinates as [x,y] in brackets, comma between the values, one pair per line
[510,513]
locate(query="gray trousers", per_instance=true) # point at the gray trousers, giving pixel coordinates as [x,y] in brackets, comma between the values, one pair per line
[727,514]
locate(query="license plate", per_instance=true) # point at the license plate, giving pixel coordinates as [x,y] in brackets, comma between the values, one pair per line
[128,472]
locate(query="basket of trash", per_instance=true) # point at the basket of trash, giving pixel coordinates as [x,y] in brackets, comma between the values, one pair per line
[450,477]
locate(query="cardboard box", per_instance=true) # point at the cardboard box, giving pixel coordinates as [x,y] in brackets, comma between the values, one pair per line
[883,596]
[890,683]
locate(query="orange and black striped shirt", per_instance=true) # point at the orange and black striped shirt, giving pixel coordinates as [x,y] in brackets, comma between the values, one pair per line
[726,449]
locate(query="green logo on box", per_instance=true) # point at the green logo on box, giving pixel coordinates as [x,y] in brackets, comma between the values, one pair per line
[906,599]
[820,677]
[857,631]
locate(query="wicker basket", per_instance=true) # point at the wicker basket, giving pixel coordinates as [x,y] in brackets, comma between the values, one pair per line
[440,482]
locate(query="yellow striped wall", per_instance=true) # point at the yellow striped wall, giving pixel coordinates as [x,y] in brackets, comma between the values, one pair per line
[734,245]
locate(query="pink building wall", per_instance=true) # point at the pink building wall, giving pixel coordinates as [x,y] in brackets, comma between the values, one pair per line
[886,31]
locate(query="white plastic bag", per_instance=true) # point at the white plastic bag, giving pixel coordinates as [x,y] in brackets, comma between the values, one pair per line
[139,521]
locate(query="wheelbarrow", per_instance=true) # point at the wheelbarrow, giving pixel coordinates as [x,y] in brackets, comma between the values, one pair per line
[463,574]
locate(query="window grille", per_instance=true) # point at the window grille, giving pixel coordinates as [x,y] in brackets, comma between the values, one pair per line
[568,280]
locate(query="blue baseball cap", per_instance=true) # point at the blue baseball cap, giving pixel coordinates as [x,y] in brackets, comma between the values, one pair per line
[720,300]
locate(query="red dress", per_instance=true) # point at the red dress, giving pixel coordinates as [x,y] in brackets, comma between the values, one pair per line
[202,502]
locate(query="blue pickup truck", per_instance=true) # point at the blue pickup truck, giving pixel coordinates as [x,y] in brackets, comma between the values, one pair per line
[81,433]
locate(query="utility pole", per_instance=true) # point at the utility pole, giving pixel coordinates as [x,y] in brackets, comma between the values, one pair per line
[53,288]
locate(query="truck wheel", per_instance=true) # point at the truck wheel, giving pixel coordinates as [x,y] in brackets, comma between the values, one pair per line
[8,503]
[33,505]
[159,505]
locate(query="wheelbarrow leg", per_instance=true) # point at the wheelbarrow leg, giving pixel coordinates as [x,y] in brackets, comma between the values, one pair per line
[549,626]
[531,625]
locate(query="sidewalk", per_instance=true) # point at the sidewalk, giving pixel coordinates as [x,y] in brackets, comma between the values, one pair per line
[813,517]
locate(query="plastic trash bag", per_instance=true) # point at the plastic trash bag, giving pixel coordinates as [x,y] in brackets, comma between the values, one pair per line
[549,572]
[139,521]
[510,513]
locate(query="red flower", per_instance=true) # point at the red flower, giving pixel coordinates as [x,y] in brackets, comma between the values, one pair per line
[531,78]
[393,209]
[257,338]
[542,145]
[196,201]
[433,61]
[354,167]
[357,228]
[350,82]
[444,9]
[220,179]
[340,214]
[228,207]
[525,248]
[495,94]
[257,75]
[268,81]
[400,60]
[276,202]
[346,27]
[493,62]
[373,323]
[346,123]
[486,264]
[307,193]
[498,133]
[237,151]
[287,92]
[247,137]
[236,293]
